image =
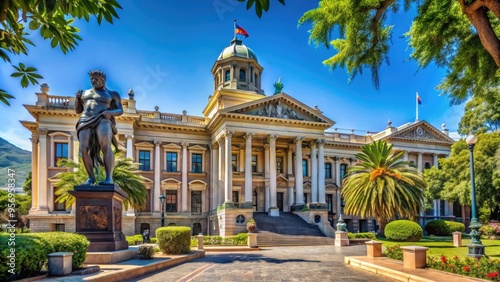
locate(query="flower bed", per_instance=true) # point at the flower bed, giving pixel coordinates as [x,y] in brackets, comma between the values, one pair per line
[483,268]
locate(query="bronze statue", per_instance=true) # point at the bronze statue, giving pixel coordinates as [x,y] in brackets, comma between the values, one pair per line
[96,128]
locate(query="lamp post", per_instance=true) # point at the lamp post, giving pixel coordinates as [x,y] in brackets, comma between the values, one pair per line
[476,249]
[162,200]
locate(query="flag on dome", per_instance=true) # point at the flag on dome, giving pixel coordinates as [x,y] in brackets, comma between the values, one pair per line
[239,30]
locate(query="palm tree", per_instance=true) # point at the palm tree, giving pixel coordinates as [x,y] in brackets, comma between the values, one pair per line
[125,175]
[382,185]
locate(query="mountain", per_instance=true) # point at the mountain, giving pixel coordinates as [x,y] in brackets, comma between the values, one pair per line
[15,159]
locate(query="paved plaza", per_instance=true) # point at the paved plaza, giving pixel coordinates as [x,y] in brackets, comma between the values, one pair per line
[299,263]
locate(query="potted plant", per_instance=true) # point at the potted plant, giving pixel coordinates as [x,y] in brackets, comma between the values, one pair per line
[251,226]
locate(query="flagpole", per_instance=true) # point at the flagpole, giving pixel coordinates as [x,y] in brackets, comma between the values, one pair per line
[416,106]
[234,28]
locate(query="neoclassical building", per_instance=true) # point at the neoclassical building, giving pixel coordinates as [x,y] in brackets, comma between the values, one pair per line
[247,153]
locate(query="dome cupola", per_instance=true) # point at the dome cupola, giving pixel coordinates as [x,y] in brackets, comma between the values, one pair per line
[237,49]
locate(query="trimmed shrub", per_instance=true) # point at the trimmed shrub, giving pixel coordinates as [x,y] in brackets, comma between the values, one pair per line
[68,242]
[152,240]
[146,251]
[28,257]
[443,227]
[134,240]
[403,231]
[174,239]
[362,235]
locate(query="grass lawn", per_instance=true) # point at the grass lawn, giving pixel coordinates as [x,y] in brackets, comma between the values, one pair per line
[439,246]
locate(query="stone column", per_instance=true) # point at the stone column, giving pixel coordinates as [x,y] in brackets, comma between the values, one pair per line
[419,162]
[157,177]
[339,184]
[221,171]
[130,148]
[405,157]
[272,175]
[75,148]
[248,167]
[314,173]
[321,171]
[266,176]
[184,179]
[214,176]
[435,160]
[289,162]
[130,154]
[241,159]
[228,177]
[34,172]
[291,199]
[299,178]
[42,170]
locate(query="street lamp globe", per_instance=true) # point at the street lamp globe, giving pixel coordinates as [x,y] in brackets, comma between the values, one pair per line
[471,139]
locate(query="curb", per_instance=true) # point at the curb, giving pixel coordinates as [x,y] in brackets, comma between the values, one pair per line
[131,273]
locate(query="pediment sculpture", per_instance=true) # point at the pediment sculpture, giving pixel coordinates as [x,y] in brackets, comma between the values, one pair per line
[419,133]
[277,110]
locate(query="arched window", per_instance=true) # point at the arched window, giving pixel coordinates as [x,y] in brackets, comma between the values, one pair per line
[227,75]
[427,165]
[243,75]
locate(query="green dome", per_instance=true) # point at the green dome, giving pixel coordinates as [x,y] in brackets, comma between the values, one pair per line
[237,49]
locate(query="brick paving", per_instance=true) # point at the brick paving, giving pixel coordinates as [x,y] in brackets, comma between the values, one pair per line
[299,263]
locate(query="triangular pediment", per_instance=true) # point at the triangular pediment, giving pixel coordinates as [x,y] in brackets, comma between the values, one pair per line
[280,107]
[420,132]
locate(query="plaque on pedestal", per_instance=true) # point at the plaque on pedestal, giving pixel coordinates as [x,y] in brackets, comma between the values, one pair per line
[99,216]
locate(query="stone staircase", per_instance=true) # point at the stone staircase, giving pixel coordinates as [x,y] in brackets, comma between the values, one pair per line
[288,230]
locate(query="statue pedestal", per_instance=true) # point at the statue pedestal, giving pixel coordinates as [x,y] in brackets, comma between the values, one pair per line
[99,216]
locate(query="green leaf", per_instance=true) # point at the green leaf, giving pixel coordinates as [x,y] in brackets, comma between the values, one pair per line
[250,4]
[34,24]
[24,82]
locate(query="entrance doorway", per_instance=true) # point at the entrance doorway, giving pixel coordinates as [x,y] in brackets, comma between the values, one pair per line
[279,200]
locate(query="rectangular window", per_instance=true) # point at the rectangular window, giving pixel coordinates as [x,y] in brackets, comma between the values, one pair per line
[305,198]
[329,202]
[196,163]
[61,152]
[254,163]
[196,201]
[227,75]
[279,165]
[144,160]
[59,206]
[343,170]
[304,167]
[234,162]
[243,75]
[236,197]
[171,162]
[171,200]
[328,170]
[59,227]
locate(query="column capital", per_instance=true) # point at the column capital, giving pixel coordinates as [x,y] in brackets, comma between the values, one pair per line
[320,142]
[184,144]
[298,140]
[43,131]
[266,146]
[272,137]
[249,135]
[129,136]
[227,133]
[34,139]
[312,144]
[157,142]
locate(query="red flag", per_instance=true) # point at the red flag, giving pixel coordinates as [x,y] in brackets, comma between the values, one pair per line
[240,30]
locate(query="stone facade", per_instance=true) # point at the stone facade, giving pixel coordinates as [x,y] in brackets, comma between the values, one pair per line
[248,152]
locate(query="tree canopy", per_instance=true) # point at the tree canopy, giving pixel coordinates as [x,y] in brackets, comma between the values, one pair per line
[460,36]
[382,185]
[54,20]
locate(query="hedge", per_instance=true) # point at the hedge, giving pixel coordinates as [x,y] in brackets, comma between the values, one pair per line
[174,239]
[68,242]
[236,240]
[403,231]
[362,235]
[443,227]
[23,255]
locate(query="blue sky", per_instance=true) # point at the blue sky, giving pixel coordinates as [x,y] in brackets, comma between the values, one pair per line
[164,50]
